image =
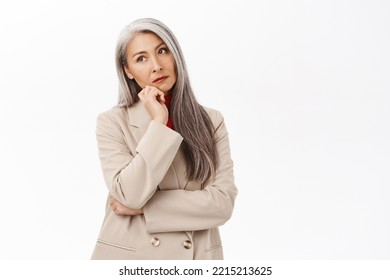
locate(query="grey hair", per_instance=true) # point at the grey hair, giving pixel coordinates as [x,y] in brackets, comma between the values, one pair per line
[188,117]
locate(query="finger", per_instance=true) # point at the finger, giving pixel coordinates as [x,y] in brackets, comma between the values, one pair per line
[144,92]
[161,97]
[118,212]
[153,92]
[141,96]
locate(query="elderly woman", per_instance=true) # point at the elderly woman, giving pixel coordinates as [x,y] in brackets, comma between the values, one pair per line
[165,158]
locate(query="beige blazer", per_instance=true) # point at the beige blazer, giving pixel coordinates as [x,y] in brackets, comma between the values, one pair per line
[143,167]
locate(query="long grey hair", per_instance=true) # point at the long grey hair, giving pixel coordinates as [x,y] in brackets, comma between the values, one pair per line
[188,117]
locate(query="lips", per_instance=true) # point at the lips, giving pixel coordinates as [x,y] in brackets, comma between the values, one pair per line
[160,79]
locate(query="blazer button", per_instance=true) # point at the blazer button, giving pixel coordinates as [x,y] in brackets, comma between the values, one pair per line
[155,241]
[187,244]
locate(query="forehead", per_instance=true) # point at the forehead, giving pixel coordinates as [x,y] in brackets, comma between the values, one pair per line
[143,42]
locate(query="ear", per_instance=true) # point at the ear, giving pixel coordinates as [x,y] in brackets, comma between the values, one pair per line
[127,71]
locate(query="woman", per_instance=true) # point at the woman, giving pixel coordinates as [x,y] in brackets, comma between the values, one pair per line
[165,159]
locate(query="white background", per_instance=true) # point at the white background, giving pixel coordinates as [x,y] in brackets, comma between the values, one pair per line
[304,88]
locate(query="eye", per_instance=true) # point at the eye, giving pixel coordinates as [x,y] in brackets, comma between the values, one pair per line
[162,51]
[140,58]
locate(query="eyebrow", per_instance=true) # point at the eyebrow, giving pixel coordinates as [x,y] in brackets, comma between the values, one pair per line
[142,52]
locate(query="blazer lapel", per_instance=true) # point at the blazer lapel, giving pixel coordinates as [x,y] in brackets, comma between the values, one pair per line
[139,120]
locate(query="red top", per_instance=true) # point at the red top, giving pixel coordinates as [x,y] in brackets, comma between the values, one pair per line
[168,104]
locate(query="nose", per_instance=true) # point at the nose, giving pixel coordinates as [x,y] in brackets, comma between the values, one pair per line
[156,65]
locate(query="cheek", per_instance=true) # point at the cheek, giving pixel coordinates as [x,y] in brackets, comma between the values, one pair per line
[172,63]
[142,84]
[140,75]
[168,62]
[174,75]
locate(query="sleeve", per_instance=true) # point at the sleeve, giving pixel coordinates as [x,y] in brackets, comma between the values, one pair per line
[182,210]
[133,178]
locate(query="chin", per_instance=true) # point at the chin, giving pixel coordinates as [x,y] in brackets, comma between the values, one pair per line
[165,89]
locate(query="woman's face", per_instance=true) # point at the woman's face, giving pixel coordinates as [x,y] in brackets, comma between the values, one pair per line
[150,63]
